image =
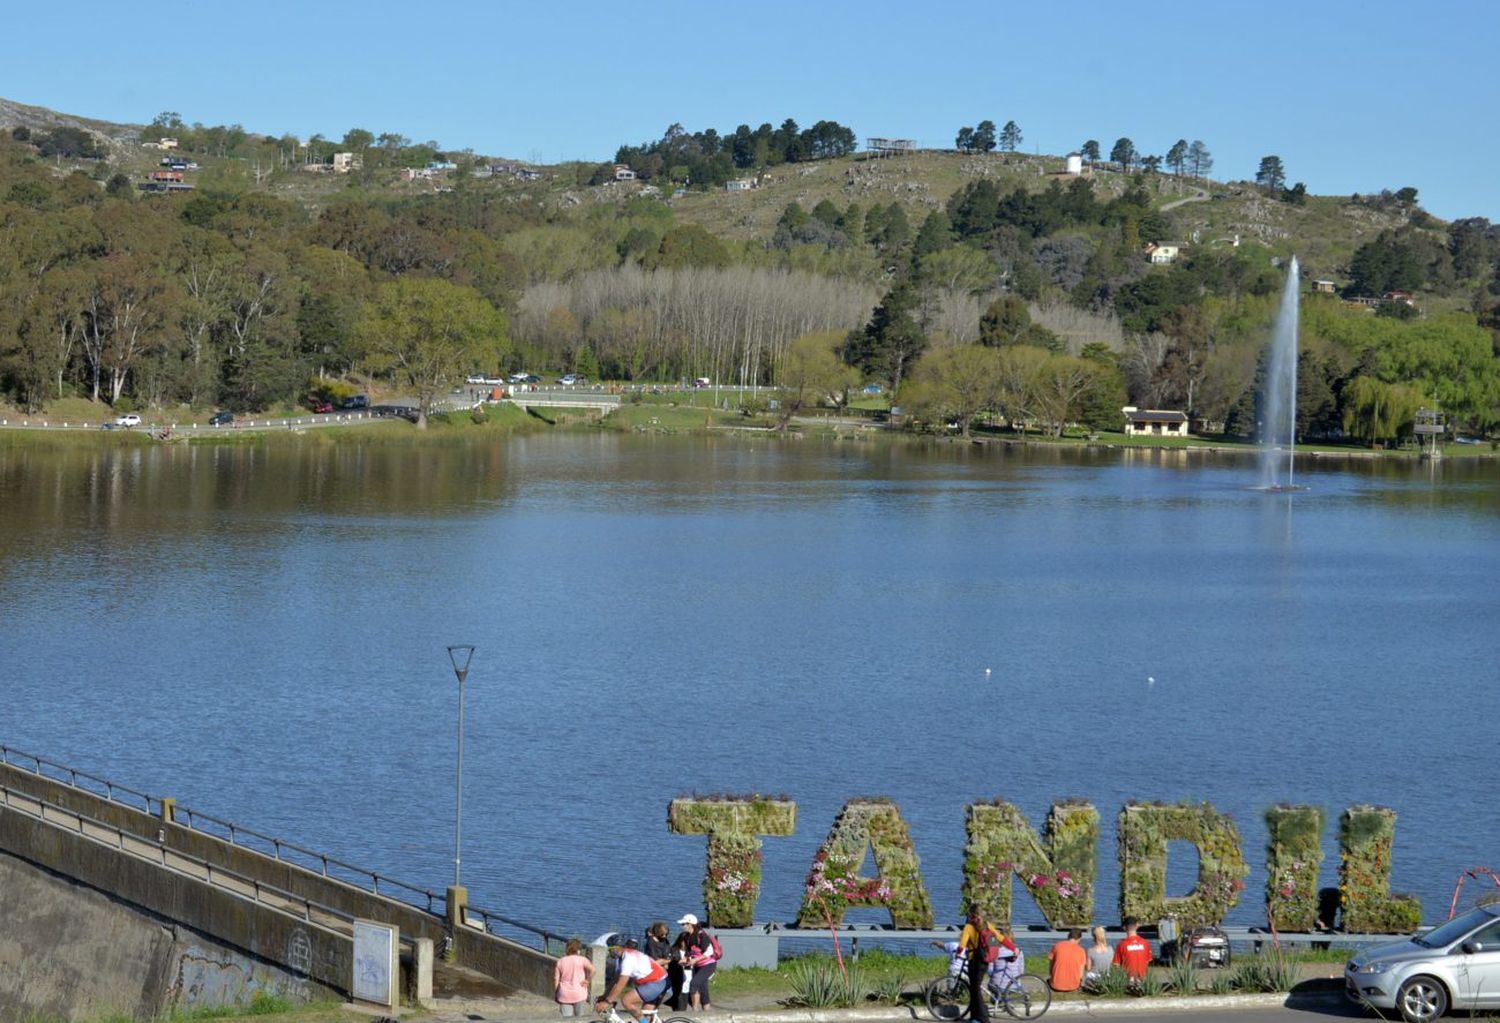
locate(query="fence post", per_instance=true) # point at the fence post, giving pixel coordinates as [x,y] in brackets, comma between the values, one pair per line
[168,810]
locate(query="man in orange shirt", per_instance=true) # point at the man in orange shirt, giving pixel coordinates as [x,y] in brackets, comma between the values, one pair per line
[1133,953]
[1068,960]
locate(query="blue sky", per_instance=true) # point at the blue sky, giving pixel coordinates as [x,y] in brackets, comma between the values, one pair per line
[1354,97]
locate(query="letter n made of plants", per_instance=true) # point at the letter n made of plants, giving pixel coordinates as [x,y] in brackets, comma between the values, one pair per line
[733,824]
[1145,829]
[1366,837]
[1058,872]
[834,883]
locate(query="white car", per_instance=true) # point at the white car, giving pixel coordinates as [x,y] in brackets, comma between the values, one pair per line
[573,380]
[128,419]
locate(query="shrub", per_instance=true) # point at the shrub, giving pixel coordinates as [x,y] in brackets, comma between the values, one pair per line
[1183,975]
[1268,972]
[1112,983]
[820,984]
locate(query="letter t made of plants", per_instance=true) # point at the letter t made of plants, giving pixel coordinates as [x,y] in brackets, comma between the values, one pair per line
[733,824]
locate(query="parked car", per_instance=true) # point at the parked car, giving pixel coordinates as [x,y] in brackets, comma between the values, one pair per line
[128,419]
[524,378]
[355,401]
[702,382]
[572,380]
[221,418]
[320,405]
[1453,966]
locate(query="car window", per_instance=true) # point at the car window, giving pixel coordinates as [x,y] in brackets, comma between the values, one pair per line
[1454,929]
[1488,937]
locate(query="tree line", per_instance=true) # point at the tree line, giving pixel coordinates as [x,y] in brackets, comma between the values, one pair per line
[708,158]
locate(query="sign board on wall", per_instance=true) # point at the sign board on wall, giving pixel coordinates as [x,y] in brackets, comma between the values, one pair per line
[377,968]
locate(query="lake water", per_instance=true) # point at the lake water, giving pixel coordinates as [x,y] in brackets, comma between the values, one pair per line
[260,632]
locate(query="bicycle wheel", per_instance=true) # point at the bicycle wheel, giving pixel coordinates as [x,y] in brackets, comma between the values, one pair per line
[948,999]
[679,1019]
[1027,997]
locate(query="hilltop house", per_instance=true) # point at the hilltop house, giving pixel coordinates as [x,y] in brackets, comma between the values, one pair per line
[1161,253]
[740,185]
[1154,422]
[623,173]
[343,163]
[1324,287]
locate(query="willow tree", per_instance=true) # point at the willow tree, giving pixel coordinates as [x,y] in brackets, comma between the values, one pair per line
[1375,411]
[428,333]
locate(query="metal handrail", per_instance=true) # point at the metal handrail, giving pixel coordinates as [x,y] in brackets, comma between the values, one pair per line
[268,845]
[210,870]
[39,766]
[236,834]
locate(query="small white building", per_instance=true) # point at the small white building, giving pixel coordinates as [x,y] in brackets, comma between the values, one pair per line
[742,185]
[343,163]
[1161,253]
[1154,422]
[624,173]
[1075,164]
[166,143]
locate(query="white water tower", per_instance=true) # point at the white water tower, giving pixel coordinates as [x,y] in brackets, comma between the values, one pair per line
[1075,163]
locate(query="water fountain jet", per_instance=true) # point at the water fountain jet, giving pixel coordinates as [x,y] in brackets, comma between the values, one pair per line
[1278,434]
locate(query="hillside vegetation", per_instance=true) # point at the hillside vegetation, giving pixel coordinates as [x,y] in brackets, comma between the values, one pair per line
[972,283]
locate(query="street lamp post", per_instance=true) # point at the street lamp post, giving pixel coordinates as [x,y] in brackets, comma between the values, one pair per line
[460,656]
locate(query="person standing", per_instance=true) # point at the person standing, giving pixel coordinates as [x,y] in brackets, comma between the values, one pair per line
[570,979]
[661,950]
[982,945]
[1133,953]
[1068,960]
[702,956]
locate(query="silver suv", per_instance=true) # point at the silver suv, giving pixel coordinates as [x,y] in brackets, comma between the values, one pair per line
[1453,966]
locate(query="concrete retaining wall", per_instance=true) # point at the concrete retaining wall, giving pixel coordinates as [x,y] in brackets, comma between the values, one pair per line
[68,951]
[509,962]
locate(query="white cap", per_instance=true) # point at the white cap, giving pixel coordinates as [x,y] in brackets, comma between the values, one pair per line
[688,918]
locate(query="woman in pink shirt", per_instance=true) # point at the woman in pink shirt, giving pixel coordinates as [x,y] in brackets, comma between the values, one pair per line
[571,978]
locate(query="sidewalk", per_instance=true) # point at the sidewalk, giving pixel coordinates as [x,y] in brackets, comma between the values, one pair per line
[529,1009]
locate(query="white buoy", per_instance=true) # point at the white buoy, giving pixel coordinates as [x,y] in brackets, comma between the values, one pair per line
[986,671]
[1151,680]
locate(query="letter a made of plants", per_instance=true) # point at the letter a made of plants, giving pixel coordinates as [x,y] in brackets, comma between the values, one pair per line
[834,882]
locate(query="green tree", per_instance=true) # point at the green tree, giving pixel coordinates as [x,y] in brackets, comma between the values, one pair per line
[1200,160]
[428,334]
[688,246]
[959,383]
[1010,137]
[1123,153]
[936,234]
[984,136]
[1005,322]
[1090,151]
[1177,156]
[810,372]
[1271,175]
[964,143]
[891,340]
[1375,411]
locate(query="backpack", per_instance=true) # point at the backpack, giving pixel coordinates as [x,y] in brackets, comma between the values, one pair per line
[991,944]
[714,943]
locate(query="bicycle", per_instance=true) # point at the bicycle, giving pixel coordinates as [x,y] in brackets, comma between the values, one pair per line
[649,1014]
[1022,996]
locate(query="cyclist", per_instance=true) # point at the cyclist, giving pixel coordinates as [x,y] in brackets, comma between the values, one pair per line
[641,982]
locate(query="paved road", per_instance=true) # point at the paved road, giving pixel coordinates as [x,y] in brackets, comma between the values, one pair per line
[1199,196]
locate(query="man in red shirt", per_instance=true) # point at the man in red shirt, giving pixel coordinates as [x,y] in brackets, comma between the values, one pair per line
[1068,960]
[1133,953]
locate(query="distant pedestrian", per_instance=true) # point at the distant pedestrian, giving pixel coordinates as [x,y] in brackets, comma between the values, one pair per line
[1068,962]
[570,979]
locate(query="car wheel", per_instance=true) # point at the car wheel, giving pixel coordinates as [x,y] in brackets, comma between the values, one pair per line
[1422,999]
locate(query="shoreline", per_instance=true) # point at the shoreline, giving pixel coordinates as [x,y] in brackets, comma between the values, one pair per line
[48,432]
